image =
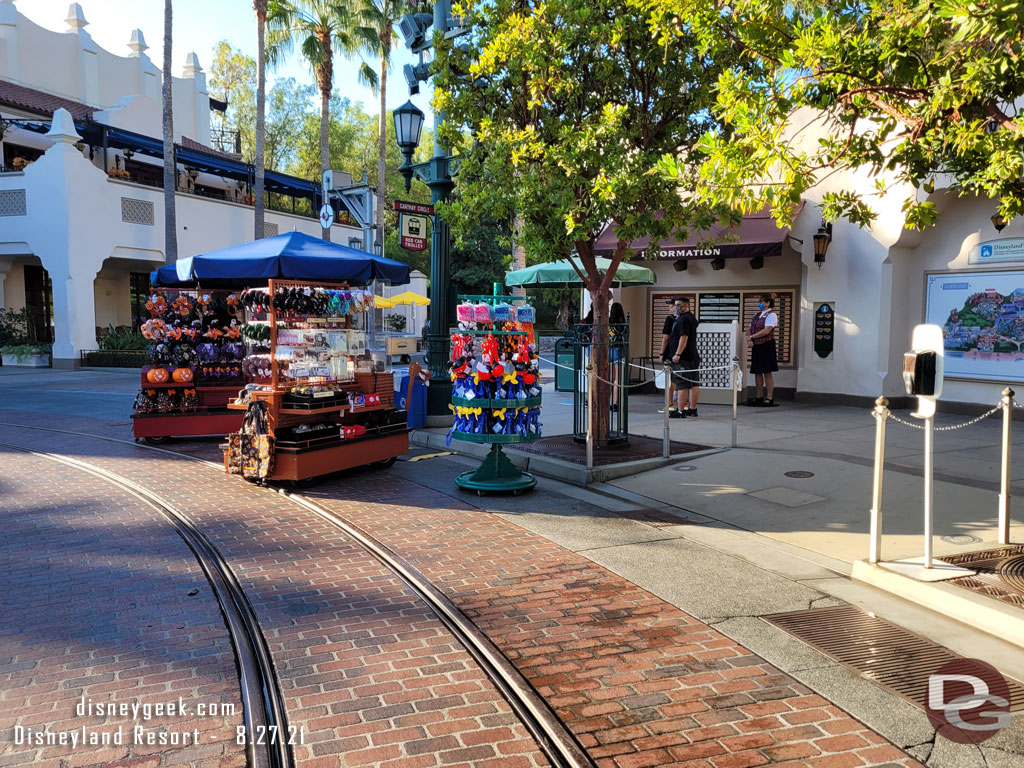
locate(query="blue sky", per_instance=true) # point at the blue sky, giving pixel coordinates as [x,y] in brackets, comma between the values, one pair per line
[198,26]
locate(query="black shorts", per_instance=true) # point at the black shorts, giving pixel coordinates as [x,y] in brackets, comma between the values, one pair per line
[685,374]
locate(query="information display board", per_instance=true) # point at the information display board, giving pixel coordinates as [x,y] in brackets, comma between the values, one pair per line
[784,301]
[726,306]
[824,328]
[982,320]
[659,311]
[718,307]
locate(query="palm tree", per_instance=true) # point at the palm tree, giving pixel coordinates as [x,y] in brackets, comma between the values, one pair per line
[316,26]
[260,7]
[375,33]
[170,171]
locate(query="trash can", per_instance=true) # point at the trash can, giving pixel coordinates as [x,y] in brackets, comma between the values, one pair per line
[416,408]
[564,373]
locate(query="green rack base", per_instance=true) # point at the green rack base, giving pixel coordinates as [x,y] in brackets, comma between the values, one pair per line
[497,474]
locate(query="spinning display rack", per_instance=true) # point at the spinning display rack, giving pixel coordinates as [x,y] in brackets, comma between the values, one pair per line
[496,392]
[327,408]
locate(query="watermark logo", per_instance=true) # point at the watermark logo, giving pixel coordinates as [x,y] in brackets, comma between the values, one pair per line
[968,701]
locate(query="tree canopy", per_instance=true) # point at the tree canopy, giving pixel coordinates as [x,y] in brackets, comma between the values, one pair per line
[905,89]
[570,103]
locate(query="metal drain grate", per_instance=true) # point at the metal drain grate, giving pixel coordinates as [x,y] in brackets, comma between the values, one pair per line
[889,656]
[1000,573]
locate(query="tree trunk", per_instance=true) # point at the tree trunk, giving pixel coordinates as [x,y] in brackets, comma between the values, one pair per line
[325,133]
[170,174]
[260,6]
[599,289]
[382,136]
[519,254]
[564,310]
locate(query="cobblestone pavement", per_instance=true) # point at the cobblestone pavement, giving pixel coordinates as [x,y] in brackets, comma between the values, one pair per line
[378,681]
[103,602]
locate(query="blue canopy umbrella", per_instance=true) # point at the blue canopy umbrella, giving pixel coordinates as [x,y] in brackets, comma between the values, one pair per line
[291,256]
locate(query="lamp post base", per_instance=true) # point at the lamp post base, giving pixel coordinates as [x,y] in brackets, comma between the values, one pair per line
[497,474]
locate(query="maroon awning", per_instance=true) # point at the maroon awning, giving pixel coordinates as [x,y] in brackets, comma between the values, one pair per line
[756,235]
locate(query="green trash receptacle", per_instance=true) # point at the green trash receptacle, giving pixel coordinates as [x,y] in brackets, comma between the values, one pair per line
[565,375]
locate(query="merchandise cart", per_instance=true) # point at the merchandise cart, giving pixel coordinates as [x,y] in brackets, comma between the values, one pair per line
[328,408]
[195,365]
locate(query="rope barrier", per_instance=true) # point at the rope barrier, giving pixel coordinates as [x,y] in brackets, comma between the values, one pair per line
[949,428]
[731,366]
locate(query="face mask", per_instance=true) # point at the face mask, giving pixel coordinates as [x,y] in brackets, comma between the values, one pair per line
[677,310]
[760,305]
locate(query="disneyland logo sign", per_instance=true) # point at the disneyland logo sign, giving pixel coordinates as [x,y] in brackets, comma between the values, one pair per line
[681,253]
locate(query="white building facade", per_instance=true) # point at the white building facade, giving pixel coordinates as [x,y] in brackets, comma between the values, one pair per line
[846,324]
[81,198]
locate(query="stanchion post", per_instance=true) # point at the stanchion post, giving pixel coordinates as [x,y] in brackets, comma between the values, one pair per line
[929,487]
[665,433]
[1004,469]
[881,413]
[736,376]
[590,412]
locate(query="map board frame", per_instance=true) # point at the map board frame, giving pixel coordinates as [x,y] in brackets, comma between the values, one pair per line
[948,290]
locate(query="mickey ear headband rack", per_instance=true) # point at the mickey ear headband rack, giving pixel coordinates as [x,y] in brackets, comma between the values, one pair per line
[496,391]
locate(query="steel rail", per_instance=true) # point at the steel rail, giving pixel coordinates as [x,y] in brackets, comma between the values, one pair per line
[558,743]
[262,703]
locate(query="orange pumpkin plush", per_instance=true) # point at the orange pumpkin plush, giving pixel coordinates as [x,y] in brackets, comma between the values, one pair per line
[157,376]
[182,375]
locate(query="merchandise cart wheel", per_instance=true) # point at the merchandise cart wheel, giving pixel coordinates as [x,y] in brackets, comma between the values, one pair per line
[156,440]
[385,463]
[405,359]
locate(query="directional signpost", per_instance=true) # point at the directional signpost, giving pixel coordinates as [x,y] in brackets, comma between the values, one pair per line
[413,224]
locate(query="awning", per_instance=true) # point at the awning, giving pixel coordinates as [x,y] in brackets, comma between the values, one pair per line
[562,273]
[293,256]
[756,235]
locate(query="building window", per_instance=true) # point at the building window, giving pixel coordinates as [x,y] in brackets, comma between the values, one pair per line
[39,302]
[139,286]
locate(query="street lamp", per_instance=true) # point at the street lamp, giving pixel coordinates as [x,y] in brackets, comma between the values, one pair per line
[408,127]
[822,238]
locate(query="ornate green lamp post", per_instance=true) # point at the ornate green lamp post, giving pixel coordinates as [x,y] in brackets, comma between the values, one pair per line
[436,174]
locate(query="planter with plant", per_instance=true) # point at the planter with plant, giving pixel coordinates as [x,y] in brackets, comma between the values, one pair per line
[396,322]
[29,355]
[17,346]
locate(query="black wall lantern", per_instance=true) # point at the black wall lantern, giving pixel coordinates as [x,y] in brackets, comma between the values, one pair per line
[822,238]
[999,222]
[757,262]
[717,264]
[680,265]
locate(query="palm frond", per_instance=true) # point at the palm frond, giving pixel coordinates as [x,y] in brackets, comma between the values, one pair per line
[368,77]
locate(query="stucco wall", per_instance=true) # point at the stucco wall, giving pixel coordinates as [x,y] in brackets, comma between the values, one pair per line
[72,65]
[74,224]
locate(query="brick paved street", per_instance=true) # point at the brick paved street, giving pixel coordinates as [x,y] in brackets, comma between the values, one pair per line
[367,671]
[375,679]
[102,600]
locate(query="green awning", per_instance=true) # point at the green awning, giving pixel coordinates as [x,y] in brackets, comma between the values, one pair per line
[562,273]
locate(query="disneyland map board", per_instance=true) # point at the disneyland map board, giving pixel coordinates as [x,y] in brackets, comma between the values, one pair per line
[982,319]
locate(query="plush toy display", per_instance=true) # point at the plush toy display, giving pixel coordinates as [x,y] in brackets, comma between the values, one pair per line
[494,368]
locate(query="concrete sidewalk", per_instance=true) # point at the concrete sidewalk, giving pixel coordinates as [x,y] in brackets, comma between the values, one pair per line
[827,512]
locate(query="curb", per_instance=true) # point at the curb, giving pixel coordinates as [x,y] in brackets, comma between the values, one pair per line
[556,469]
[984,613]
